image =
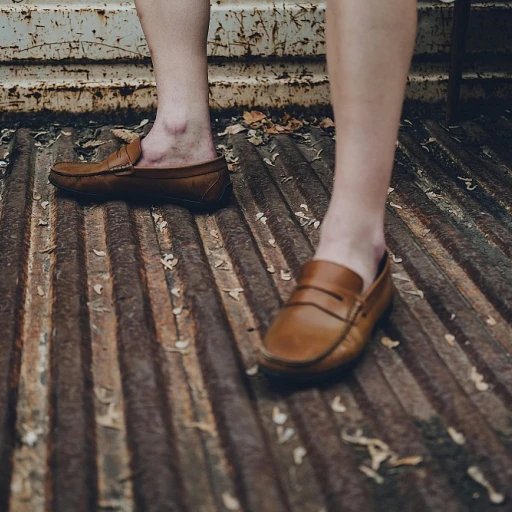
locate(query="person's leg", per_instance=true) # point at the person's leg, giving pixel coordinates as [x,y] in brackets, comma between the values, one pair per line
[176,32]
[369,48]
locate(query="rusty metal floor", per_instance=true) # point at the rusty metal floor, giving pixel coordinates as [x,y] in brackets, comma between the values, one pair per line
[129,336]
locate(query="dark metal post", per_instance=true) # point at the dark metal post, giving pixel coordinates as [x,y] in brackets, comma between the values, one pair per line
[459,32]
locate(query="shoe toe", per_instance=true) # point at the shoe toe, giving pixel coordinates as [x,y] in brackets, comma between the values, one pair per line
[300,335]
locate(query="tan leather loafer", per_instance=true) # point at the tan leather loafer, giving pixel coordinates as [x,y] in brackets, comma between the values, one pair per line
[326,323]
[203,185]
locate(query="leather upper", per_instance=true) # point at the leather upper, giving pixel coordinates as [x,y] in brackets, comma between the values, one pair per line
[118,174]
[326,323]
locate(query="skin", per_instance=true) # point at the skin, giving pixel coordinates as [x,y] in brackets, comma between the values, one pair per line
[369,49]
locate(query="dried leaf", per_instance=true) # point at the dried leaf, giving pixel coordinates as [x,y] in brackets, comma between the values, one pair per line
[278,417]
[286,275]
[326,123]
[203,427]
[337,406]
[230,502]
[109,419]
[417,293]
[253,370]
[255,139]
[254,116]
[476,474]
[490,320]
[182,344]
[317,156]
[298,454]
[371,474]
[478,379]
[284,434]
[457,437]
[169,261]
[92,143]
[124,134]
[413,460]
[233,130]
[234,293]
[378,450]
[450,339]
[144,122]
[389,343]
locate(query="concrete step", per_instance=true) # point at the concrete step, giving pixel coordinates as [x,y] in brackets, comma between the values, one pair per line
[76,57]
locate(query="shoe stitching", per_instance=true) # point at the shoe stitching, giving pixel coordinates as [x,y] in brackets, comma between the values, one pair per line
[356,306]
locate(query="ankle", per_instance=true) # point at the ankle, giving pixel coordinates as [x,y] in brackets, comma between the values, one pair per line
[359,247]
[177,141]
[182,126]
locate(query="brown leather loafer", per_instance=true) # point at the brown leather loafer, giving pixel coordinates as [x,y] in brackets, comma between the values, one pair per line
[204,185]
[326,323]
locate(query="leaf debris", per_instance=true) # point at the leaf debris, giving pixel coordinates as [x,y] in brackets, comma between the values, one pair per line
[490,320]
[298,454]
[369,472]
[252,371]
[234,293]
[284,434]
[278,417]
[169,261]
[337,406]
[476,474]
[230,502]
[389,343]
[286,275]
[457,437]
[233,130]
[417,293]
[478,379]
[450,339]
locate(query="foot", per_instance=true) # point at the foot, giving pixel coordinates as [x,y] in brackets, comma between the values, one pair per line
[326,323]
[204,185]
[175,144]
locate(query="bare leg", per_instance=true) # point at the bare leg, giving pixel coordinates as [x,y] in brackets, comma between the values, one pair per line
[176,32]
[369,48]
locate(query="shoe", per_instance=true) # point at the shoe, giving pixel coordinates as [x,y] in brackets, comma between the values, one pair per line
[204,185]
[326,324]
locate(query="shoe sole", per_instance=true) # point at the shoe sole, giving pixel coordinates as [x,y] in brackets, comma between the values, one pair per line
[276,376]
[187,203]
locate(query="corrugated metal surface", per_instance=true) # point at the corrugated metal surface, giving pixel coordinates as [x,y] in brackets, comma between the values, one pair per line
[124,384]
[83,56]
